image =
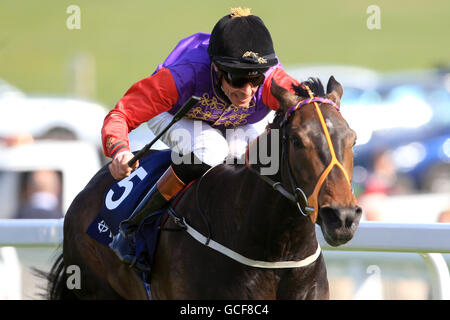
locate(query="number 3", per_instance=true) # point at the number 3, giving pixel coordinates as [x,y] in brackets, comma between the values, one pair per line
[124,183]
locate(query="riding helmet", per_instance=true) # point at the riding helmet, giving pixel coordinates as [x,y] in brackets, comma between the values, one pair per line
[241,43]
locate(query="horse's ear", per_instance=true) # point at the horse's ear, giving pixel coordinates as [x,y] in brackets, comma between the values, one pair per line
[286,98]
[334,90]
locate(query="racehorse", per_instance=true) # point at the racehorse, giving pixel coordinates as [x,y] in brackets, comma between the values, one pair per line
[266,221]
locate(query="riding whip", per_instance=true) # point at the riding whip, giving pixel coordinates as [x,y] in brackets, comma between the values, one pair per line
[180,114]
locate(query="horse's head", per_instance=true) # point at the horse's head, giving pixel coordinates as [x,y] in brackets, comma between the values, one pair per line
[317,156]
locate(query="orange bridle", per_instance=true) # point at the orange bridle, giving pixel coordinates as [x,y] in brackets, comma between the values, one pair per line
[313,199]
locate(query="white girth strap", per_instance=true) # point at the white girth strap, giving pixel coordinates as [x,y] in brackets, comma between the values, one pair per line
[250,262]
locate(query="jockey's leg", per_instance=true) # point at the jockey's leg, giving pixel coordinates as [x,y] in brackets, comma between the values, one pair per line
[195,151]
[168,185]
[238,140]
[188,135]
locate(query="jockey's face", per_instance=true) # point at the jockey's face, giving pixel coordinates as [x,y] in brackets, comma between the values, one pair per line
[239,96]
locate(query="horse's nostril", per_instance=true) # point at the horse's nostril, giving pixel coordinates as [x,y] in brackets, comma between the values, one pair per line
[349,221]
[353,215]
[331,217]
[358,210]
[341,217]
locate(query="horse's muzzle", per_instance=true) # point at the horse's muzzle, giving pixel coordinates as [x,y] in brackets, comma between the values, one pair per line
[339,224]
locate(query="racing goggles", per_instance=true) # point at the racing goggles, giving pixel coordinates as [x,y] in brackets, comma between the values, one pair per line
[239,80]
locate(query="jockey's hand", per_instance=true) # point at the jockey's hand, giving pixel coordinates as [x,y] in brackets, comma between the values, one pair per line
[119,166]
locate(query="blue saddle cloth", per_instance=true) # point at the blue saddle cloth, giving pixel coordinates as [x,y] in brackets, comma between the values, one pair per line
[122,198]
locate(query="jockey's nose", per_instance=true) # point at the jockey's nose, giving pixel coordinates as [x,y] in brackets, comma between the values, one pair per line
[249,89]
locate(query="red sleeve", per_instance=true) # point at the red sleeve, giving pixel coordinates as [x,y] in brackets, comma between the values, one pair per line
[144,100]
[282,79]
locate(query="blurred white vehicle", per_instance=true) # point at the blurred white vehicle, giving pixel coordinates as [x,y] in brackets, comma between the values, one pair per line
[7,90]
[44,116]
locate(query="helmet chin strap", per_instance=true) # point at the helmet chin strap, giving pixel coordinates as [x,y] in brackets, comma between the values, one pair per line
[216,79]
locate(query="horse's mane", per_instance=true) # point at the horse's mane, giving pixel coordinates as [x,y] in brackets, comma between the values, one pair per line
[316,87]
[314,84]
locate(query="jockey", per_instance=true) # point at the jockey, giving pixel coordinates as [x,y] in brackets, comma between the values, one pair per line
[231,70]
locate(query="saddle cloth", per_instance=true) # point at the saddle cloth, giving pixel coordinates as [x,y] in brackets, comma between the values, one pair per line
[122,198]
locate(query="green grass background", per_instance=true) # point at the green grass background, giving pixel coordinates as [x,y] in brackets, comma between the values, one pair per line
[129,38]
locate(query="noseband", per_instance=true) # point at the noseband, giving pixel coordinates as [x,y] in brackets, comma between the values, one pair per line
[306,205]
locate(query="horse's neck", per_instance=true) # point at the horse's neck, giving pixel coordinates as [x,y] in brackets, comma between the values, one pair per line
[260,219]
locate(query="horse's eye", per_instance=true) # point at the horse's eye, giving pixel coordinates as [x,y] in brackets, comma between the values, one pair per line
[354,137]
[296,141]
[354,141]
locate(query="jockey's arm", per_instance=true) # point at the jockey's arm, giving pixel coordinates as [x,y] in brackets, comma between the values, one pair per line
[144,100]
[283,80]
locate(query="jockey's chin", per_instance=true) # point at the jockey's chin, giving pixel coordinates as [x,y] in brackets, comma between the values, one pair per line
[241,103]
[240,97]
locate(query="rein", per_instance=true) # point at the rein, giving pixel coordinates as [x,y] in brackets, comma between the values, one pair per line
[308,206]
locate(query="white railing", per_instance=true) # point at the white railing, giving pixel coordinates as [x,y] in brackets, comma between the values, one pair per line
[30,233]
[428,240]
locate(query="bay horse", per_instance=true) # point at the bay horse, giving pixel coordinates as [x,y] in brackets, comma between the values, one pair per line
[265,218]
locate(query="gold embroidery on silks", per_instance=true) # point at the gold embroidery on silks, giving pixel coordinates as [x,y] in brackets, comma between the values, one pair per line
[236,118]
[213,102]
[198,113]
[233,120]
